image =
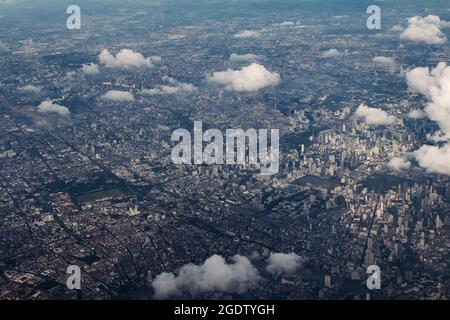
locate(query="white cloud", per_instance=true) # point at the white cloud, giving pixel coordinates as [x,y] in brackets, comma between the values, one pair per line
[425,29]
[330,53]
[48,106]
[175,87]
[249,79]
[398,164]
[385,62]
[127,59]
[214,275]
[248,57]
[438,136]
[434,159]
[397,28]
[247,34]
[284,24]
[282,263]
[374,116]
[118,96]
[30,89]
[417,114]
[435,86]
[90,69]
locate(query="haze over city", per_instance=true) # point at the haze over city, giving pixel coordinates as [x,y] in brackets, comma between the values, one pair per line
[242,149]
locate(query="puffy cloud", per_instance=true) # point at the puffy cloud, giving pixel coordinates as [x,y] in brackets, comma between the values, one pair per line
[282,263]
[398,164]
[127,59]
[374,116]
[90,69]
[248,57]
[385,62]
[30,89]
[434,159]
[48,106]
[249,79]
[435,86]
[175,87]
[425,29]
[118,96]
[247,34]
[420,81]
[214,275]
[330,53]
[417,114]
[397,28]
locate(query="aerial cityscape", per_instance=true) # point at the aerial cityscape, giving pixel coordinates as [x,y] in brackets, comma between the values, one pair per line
[106,111]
